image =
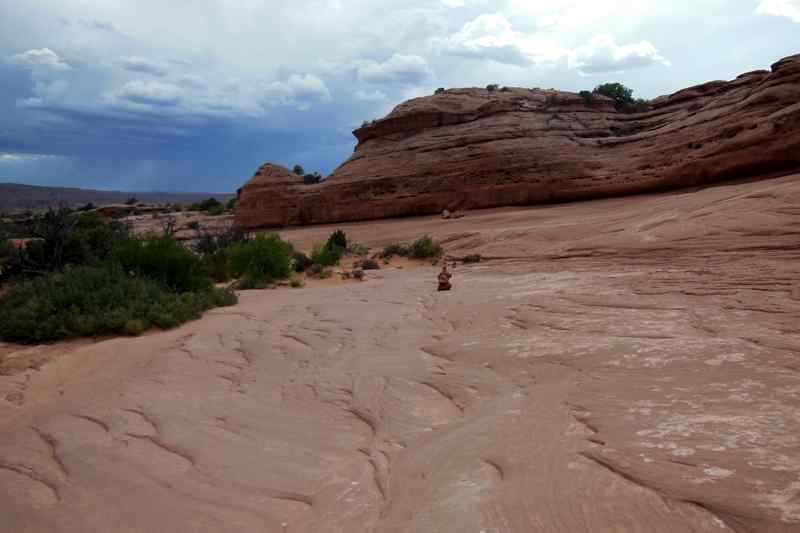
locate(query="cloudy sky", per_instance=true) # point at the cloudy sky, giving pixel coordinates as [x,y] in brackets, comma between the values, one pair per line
[194,95]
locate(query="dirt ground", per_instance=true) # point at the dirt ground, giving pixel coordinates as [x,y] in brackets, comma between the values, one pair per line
[624,365]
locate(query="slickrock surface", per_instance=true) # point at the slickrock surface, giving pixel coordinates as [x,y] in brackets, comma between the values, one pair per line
[624,365]
[468,148]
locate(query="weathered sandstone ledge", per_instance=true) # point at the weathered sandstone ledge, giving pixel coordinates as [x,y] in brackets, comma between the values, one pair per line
[470,149]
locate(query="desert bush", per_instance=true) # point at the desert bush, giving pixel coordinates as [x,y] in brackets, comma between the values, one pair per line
[338,239]
[296,283]
[301,261]
[369,264]
[265,258]
[358,274]
[299,170]
[357,249]
[438,91]
[61,238]
[492,87]
[208,204]
[230,205]
[164,260]
[640,105]
[217,265]
[392,250]
[310,179]
[86,301]
[216,211]
[588,98]
[212,242]
[326,256]
[7,252]
[425,248]
[474,258]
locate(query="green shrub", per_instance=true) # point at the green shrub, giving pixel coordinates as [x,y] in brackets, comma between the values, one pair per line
[266,258]
[425,248]
[7,254]
[395,249]
[623,98]
[216,211]
[640,105]
[492,87]
[301,261]
[299,170]
[438,91]
[337,239]
[86,301]
[135,327]
[588,98]
[164,260]
[218,265]
[311,179]
[230,205]
[326,256]
[61,238]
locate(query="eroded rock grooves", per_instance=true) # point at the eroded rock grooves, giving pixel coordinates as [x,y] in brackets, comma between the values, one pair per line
[621,365]
[468,149]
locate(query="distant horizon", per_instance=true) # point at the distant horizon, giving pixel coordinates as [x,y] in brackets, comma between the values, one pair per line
[151,96]
[97,189]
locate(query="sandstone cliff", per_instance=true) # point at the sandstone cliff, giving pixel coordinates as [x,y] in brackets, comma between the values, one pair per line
[469,149]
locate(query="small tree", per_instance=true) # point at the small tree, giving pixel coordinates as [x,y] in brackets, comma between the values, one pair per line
[621,95]
[438,91]
[299,170]
[588,98]
[310,179]
[492,87]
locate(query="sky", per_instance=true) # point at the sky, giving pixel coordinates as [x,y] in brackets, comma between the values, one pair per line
[194,95]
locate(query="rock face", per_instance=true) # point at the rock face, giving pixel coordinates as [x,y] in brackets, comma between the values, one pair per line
[469,149]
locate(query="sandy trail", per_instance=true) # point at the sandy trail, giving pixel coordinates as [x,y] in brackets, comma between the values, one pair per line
[617,366]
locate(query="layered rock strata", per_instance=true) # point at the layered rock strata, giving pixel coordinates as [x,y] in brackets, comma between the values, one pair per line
[471,148]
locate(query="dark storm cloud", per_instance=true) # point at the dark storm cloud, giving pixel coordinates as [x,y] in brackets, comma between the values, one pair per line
[152,95]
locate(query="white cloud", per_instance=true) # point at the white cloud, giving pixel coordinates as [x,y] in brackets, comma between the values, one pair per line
[42,58]
[299,91]
[151,93]
[492,37]
[780,8]
[603,55]
[400,69]
[144,66]
[371,96]
[22,158]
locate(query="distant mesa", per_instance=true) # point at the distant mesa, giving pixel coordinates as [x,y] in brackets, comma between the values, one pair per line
[474,148]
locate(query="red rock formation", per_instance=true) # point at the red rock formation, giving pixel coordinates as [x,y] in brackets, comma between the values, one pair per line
[469,149]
